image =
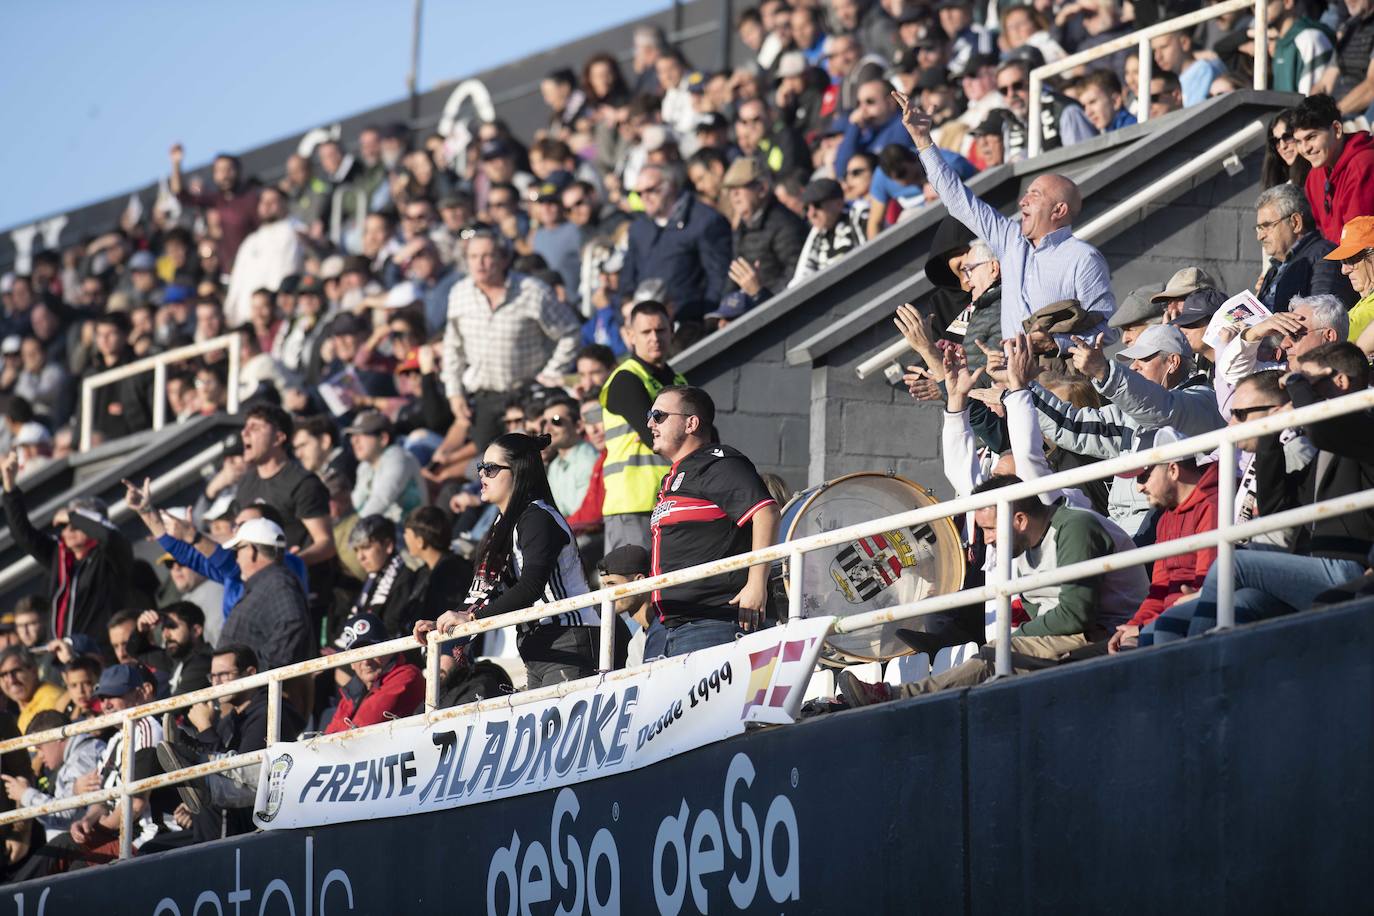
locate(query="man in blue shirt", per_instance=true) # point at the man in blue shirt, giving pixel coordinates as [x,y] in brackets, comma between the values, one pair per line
[189,548]
[1174,52]
[1041,260]
[874,124]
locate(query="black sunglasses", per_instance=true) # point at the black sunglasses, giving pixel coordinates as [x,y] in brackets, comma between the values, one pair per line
[658,416]
[1243,413]
[1018,86]
[490,470]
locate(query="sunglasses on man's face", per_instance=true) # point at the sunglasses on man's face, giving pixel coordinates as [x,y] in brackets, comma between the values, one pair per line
[658,416]
[1018,86]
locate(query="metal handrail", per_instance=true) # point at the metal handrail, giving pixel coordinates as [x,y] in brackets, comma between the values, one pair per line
[1141,39]
[336,211]
[1001,588]
[158,363]
[1098,225]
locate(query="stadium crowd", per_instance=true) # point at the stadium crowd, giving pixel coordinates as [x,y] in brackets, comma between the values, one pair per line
[458,394]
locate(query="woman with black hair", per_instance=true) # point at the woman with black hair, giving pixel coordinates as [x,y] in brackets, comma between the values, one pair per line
[1282,163]
[529,555]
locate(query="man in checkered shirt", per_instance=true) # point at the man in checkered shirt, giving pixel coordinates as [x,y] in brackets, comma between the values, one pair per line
[503,329]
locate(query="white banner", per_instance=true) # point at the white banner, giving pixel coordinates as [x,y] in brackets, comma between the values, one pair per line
[608,728]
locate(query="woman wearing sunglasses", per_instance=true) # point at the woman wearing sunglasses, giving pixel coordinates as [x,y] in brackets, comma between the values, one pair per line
[528,555]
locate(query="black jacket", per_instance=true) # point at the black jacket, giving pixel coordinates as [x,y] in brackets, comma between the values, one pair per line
[124,407]
[691,254]
[772,241]
[96,585]
[195,670]
[1344,465]
[1305,272]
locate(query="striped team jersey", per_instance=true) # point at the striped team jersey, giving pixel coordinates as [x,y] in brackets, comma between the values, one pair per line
[705,504]
[544,566]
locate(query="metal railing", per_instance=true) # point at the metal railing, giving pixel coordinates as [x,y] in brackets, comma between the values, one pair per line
[158,364]
[1250,135]
[337,205]
[1140,40]
[1002,587]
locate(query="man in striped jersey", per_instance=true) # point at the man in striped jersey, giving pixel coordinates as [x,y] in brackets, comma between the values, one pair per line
[96,833]
[712,504]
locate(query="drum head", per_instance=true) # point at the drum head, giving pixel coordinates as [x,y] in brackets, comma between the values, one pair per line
[867,574]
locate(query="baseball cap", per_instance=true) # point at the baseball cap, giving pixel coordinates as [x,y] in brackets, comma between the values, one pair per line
[1188,280]
[411,363]
[1157,338]
[142,260]
[992,124]
[819,190]
[174,293]
[362,629]
[977,62]
[33,434]
[1147,439]
[166,560]
[1138,306]
[7,622]
[495,149]
[117,680]
[743,171]
[732,306]
[1356,235]
[1198,307]
[369,423]
[310,286]
[220,508]
[260,531]
[625,560]
[546,192]
[348,323]
[331,268]
[793,63]
[401,295]
[712,120]
[696,82]
[904,60]
[932,78]
[11,344]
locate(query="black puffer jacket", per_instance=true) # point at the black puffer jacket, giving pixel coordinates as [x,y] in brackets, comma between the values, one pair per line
[772,241]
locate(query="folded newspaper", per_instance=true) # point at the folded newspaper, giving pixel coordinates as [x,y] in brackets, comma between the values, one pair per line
[1236,314]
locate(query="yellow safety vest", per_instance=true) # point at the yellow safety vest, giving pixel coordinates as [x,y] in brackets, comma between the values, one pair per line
[632,472]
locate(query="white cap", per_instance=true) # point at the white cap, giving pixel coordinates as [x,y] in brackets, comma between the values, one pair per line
[10,345]
[258,531]
[401,295]
[33,434]
[220,507]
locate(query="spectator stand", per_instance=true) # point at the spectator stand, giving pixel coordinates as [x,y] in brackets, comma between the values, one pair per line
[158,363]
[1140,40]
[1223,538]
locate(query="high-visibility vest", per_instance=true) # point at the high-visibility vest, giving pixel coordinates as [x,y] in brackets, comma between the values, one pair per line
[632,472]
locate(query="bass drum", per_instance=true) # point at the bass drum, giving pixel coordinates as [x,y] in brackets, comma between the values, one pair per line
[867,574]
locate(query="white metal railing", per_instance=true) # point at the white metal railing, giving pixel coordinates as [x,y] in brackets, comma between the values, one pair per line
[1001,588]
[158,364]
[1140,40]
[1098,226]
[336,212]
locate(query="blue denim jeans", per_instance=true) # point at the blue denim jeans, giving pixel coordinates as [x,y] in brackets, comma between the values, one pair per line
[699,634]
[655,639]
[1267,584]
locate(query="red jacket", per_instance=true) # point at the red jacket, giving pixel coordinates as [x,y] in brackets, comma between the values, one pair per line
[1196,513]
[400,692]
[588,515]
[1352,187]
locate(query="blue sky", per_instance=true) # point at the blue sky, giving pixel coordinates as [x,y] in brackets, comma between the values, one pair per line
[95,92]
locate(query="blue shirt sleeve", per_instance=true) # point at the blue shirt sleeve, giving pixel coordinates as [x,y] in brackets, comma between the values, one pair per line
[186,555]
[1074,126]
